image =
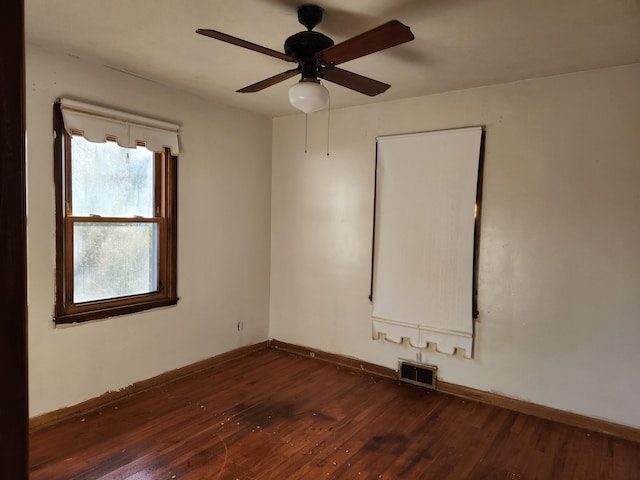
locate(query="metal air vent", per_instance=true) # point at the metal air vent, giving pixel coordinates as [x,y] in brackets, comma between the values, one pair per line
[417,373]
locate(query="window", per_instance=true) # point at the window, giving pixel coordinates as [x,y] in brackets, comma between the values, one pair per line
[116,214]
[424,286]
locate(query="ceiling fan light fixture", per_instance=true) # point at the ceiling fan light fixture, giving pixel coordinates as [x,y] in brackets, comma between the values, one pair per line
[308,95]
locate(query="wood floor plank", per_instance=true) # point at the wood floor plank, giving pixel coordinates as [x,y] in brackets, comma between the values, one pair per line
[274,415]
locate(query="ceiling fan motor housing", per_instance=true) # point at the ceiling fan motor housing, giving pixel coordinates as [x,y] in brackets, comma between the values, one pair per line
[303,46]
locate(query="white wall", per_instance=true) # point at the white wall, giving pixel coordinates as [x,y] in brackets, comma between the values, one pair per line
[223,243]
[559,277]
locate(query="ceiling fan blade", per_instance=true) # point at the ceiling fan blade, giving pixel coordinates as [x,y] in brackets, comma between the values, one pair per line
[245,44]
[385,36]
[267,82]
[356,82]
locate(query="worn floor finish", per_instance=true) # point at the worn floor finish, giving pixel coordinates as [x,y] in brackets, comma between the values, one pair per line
[274,415]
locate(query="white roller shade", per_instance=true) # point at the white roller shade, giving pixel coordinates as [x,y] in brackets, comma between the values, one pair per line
[424,238]
[98,123]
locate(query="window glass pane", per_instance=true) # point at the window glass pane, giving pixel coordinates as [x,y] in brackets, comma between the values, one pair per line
[110,180]
[113,260]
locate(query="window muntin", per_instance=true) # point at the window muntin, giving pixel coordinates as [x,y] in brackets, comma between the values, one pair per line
[116,227]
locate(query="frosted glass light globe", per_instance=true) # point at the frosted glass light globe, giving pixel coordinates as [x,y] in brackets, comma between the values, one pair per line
[309,96]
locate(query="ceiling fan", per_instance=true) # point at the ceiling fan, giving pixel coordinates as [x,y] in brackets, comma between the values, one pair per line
[317,57]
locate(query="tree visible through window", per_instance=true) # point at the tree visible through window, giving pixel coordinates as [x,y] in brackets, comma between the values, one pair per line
[116,221]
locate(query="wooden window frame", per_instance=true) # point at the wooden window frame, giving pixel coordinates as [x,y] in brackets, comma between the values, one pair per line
[165,216]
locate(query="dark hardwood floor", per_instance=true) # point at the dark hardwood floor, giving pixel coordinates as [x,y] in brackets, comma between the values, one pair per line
[274,415]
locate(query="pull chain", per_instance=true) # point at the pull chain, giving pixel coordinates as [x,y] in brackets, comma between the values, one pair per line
[328,124]
[306,129]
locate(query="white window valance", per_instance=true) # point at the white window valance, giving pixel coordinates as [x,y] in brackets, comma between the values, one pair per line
[98,123]
[424,238]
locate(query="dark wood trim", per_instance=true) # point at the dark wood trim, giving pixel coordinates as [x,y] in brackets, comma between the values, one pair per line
[521,406]
[475,310]
[343,361]
[541,411]
[373,227]
[14,462]
[170,205]
[113,311]
[60,144]
[155,382]
[133,220]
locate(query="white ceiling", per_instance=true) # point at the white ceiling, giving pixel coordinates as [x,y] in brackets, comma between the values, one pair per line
[459,43]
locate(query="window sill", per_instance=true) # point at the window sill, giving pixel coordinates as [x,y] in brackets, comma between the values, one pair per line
[78,317]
